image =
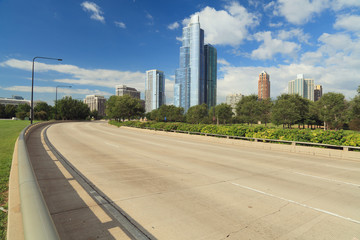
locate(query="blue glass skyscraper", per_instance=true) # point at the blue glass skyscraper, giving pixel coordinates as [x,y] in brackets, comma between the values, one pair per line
[189,88]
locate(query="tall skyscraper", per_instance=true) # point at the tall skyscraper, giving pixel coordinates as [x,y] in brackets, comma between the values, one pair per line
[303,87]
[189,88]
[97,103]
[317,92]
[122,90]
[210,75]
[154,90]
[264,85]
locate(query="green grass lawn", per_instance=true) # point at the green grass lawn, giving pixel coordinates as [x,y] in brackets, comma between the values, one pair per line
[9,132]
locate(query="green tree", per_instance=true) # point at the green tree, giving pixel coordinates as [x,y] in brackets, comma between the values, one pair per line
[41,115]
[223,112]
[94,114]
[72,109]
[313,117]
[44,110]
[171,112]
[285,111]
[22,111]
[2,111]
[265,106]
[333,110]
[10,111]
[197,114]
[248,109]
[124,107]
[302,107]
[354,112]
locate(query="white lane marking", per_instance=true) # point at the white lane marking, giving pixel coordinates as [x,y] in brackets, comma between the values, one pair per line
[327,179]
[300,204]
[111,144]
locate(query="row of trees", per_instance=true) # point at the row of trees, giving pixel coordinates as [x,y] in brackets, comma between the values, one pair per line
[42,111]
[332,111]
[67,109]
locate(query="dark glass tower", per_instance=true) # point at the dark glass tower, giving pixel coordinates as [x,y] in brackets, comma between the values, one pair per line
[210,75]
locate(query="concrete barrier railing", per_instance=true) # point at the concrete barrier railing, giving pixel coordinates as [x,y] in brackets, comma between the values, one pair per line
[37,222]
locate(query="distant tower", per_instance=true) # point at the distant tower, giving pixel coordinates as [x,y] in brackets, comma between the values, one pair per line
[232,100]
[303,87]
[189,88]
[154,90]
[210,75]
[317,92]
[97,103]
[122,90]
[264,86]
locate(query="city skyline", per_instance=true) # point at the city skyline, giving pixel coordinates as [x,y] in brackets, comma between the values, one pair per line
[104,44]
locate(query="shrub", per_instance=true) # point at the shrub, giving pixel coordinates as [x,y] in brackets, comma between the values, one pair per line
[301,135]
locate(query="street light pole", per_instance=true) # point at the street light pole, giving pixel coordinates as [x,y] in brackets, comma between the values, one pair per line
[32,86]
[56,99]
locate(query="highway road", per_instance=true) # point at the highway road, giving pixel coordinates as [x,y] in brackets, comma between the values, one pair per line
[179,186]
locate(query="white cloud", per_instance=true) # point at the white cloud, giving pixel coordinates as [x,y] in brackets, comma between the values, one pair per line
[348,22]
[294,33]
[226,27]
[270,47]
[38,89]
[81,76]
[223,62]
[341,4]
[173,26]
[300,11]
[150,17]
[95,11]
[279,24]
[120,24]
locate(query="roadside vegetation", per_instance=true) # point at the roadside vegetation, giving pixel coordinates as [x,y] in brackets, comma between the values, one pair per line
[9,132]
[265,119]
[339,137]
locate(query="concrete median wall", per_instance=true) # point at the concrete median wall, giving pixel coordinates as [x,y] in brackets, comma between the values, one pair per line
[29,216]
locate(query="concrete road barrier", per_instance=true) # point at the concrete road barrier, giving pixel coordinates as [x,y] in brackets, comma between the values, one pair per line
[36,220]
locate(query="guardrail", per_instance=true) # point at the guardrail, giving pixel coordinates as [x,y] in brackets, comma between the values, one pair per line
[37,222]
[264,140]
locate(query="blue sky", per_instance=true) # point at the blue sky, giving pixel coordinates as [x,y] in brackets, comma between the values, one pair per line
[104,43]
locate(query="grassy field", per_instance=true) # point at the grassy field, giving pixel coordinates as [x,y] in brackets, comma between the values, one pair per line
[9,132]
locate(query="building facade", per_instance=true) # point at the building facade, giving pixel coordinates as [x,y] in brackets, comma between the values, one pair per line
[96,103]
[317,92]
[232,100]
[303,87]
[14,101]
[264,86]
[154,90]
[210,75]
[122,90]
[189,88]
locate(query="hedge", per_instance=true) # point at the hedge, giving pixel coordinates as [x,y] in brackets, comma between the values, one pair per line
[332,137]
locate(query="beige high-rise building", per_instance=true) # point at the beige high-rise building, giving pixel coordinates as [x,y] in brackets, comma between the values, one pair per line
[303,87]
[264,85]
[122,90]
[96,102]
[232,100]
[317,92]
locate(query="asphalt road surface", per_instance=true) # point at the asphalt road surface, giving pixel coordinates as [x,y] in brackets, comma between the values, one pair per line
[179,186]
